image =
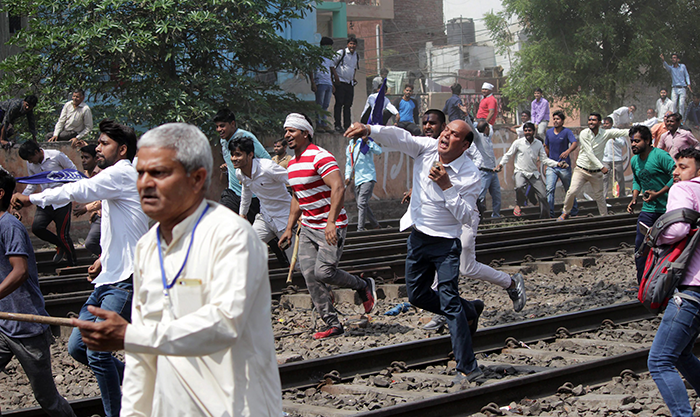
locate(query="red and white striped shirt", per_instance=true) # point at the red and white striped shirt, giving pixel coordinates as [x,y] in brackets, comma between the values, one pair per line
[306,179]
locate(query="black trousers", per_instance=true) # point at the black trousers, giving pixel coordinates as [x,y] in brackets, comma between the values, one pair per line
[344,94]
[61,218]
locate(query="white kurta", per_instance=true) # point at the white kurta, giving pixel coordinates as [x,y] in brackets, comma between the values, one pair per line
[208,348]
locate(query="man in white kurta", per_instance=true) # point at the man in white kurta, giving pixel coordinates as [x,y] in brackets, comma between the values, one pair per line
[200,342]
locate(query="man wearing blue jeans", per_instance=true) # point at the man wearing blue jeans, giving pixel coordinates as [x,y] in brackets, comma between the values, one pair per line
[322,86]
[123,224]
[559,143]
[446,184]
[672,349]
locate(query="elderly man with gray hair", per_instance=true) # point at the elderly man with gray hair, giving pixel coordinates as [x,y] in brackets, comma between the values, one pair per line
[200,341]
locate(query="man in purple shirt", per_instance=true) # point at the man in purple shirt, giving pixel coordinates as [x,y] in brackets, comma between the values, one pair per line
[559,143]
[540,113]
[676,139]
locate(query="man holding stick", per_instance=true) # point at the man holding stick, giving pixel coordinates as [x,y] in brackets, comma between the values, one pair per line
[123,223]
[20,293]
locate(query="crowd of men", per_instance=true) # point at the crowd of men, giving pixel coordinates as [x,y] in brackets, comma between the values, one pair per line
[189,299]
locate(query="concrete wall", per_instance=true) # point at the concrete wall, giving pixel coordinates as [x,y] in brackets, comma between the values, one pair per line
[394,172]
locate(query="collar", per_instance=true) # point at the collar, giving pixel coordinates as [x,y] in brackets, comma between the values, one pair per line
[185,227]
[82,104]
[254,169]
[458,163]
[490,94]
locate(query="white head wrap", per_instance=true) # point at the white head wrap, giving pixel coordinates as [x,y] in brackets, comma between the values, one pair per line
[298,121]
[487,86]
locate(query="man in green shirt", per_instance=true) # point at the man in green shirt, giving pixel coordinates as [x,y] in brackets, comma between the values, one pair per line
[652,169]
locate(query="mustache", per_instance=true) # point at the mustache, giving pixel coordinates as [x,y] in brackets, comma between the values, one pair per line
[149,192]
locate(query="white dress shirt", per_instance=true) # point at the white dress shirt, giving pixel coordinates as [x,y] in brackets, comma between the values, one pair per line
[77,119]
[526,154]
[619,144]
[207,349]
[662,107]
[53,161]
[622,116]
[433,211]
[123,220]
[268,181]
[373,99]
[649,122]
[592,147]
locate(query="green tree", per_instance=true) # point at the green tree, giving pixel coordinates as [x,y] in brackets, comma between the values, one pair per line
[587,53]
[151,62]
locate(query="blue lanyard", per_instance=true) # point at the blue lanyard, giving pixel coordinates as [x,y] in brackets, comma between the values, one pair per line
[167,286]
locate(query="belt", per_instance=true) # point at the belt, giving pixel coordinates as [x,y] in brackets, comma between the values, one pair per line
[679,86]
[592,171]
[693,288]
[487,169]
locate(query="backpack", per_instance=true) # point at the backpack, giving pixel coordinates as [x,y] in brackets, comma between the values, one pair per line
[666,264]
[342,59]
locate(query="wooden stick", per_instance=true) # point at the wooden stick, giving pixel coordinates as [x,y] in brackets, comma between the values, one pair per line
[295,253]
[33,318]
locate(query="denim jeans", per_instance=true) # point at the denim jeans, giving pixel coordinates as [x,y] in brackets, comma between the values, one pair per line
[672,350]
[490,183]
[678,96]
[108,370]
[426,256]
[554,174]
[323,99]
[649,219]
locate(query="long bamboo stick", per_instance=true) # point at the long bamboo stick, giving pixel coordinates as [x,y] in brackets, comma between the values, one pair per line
[33,318]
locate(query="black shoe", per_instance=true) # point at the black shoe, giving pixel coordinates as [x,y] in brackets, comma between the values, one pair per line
[339,129]
[60,254]
[470,377]
[474,324]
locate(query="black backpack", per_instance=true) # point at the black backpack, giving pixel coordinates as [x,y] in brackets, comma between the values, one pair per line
[665,265]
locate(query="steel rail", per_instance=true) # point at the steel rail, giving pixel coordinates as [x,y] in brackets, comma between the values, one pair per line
[436,350]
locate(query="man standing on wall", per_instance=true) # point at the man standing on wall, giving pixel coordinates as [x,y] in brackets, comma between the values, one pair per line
[679,81]
[345,65]
[540,113]
[322,86]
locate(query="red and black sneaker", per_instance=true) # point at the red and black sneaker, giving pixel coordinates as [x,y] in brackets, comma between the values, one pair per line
[330,331]
[368,295]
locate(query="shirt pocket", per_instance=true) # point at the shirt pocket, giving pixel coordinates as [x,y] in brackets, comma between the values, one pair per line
[187,294]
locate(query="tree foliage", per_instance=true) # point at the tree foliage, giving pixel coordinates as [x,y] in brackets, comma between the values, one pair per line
[151,62]
[588,53]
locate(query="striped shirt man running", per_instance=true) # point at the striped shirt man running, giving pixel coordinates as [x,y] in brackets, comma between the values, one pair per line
[306,175]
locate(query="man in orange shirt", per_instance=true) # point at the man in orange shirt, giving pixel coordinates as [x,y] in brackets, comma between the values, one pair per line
[488,106]
[659,129]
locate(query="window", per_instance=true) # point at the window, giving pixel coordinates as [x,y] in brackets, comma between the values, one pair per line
[15,23]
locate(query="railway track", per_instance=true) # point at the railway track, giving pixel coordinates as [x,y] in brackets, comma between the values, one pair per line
[383,253]
[426,359]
